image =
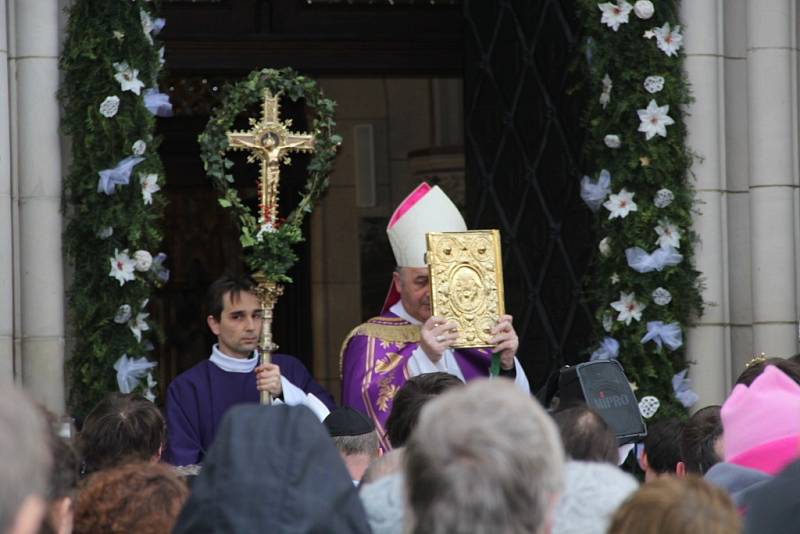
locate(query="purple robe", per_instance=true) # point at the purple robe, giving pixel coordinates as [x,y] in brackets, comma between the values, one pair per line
[374,365]
[199,397]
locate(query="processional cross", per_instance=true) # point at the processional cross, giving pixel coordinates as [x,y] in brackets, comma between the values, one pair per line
[270,141]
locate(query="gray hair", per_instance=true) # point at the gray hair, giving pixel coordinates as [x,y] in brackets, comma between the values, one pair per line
[26,463]
[484,458]
[389,464]
[359,444]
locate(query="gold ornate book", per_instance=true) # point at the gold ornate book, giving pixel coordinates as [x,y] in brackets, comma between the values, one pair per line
[466,274]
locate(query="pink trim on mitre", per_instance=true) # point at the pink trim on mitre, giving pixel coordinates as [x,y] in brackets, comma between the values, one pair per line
[392,296]
[770,457]
[408,203]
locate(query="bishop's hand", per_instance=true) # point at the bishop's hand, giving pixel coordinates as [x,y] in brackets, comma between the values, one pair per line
[505,341]
[268,378]
[436,336]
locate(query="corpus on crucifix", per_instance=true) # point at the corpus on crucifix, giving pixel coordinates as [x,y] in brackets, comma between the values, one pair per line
[270,141]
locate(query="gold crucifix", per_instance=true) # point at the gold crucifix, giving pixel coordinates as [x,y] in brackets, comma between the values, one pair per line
[270,141]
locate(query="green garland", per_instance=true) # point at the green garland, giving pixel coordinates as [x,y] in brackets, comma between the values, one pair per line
[270,252]
[627,57]
[107,124]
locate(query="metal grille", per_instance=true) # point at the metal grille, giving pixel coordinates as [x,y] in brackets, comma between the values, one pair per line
[523,143]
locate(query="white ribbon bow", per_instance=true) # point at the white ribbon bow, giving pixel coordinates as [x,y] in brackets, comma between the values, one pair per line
[684,394]
[642,262]
[157,103]
[119,175]
[594,193]
[130,371]
[609,349]
[669,334]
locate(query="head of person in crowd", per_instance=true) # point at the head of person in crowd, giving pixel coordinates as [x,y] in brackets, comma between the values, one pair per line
[388,463]
[62,484]
[756,366]
[672,505]
[410,399]
[272,469]
[121,428]
[136,497]
[662,450]
[354,436]
[384,503]
[234,315]
[483,458]
[586,435]
[593,491]
[25,465]
[701,440]
[761,428]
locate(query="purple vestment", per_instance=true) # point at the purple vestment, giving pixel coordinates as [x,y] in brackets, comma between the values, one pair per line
[374,365]
[199,397]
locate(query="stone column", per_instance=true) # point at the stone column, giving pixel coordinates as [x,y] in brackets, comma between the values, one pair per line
[6,202]
[707,341]
[39,177]
[772,147]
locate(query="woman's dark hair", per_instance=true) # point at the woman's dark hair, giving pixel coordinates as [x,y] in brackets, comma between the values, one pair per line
[121,428]
[586,435]
[790,368]
[409,401]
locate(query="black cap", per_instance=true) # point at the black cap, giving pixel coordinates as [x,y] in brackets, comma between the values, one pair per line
[346,421]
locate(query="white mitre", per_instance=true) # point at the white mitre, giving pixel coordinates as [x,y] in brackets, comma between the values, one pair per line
[426,209]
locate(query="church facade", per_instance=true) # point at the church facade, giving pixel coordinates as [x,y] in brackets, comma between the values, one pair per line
[742,64]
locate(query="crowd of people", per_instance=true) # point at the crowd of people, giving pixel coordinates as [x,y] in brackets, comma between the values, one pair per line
[430,438]
[480,457]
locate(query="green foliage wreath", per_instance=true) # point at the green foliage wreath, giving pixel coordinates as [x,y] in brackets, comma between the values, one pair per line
[109,43]
[639,61]
[270,252]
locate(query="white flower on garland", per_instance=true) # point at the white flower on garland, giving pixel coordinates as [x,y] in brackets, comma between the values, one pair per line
[139,147]
[149,25]
[161,59]
[663,198]
[149,186]
[628,307]
[105,232]
[669,40]
[612,141]
[668,234]
[122,267]
[118,35]
[654,84]
[644,9]
[614,279]
[620,204]
[661,296]
[143,260]
[614,14]
[266,228]
[608,322]
[109,106]
[148,390]
[605,96]
[139,325]
[123,314]
[128,78]
[654,120]
[605,246]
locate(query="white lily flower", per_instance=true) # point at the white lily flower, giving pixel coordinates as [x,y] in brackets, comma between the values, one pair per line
[122,267]
[654,120]
[628,307]
[615,14]
[669,40]
[128,78]
[668,234]
[620,204]
[139,325]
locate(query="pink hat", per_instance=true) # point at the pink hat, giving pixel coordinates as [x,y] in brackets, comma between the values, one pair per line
[761,423]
